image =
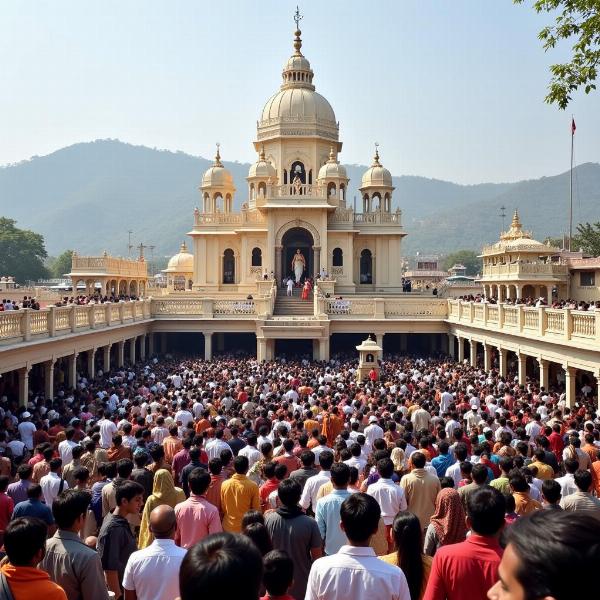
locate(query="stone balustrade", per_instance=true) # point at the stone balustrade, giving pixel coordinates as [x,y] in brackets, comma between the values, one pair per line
[109,265]
[26,324]
[540,270]
[582,328]
[383,308]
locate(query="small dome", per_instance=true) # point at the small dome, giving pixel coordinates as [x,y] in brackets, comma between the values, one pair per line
[182,262]
[376,175]
[332,168]
[262,168]
[217,175]
[297,62]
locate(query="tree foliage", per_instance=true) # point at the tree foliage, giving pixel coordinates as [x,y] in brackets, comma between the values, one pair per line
[577,21]
[587,238]
[468,258]
[61,264]
[22,252]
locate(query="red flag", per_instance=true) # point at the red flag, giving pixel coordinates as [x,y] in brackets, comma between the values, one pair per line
[573,128]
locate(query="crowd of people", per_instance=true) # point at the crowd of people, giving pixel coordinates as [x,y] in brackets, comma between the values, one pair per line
[26,302]
[535,302]
[289,480]
[97,298]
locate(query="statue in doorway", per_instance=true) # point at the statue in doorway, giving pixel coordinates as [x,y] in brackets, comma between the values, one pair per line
[298,265]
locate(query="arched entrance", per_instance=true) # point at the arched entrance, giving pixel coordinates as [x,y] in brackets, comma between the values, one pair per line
[294,239]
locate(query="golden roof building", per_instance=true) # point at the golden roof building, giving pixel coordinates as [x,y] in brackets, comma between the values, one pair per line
[517,267]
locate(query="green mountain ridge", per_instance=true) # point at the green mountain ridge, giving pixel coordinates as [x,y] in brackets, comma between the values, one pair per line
[88,195]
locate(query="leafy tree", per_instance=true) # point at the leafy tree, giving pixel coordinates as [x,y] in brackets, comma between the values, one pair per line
[22,252]
[61,264]
[577,20]
[587,238]
[468,258]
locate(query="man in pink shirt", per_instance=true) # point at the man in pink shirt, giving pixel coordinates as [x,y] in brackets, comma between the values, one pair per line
[196,516]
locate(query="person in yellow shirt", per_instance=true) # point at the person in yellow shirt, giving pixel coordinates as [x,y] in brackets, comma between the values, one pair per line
[238,495]
[544,470]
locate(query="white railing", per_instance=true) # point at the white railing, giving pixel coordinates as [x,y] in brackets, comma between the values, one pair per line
[384,308]
[542,269]
[110,265]
[26,324]
[541,322]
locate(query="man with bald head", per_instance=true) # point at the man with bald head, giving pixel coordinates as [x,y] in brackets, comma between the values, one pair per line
[153,573]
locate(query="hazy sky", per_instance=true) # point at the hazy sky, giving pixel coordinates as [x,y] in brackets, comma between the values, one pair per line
[451,89]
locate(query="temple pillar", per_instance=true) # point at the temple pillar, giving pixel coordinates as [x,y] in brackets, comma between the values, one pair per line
[451,348]
[324,348]
[23,375]
[120,353]
[208,345]
[106,358]
[151,344]
[132,350]
[379,341]
[261,349]
[317,260]
[461,349]
[487,358]
[571,393]
[91,367]
[72,362]
[49,378]
[279,271]
[502,362]
[522,364]
[142,346]
[473,353]
[544,372]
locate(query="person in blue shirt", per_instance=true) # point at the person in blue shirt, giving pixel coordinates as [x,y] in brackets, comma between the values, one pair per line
[34,507]
[444,459]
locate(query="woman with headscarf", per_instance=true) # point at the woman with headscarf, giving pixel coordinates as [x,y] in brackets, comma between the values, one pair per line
[447,524]
[398,457]
[163,492]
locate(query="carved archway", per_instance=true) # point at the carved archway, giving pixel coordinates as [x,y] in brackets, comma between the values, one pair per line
[298,223]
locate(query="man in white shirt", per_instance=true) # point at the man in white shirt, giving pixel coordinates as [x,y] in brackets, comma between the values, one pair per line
[388,494]
[214,446]
[26,430]
[420,419]
[184,415]
[65,448]
[446,399]
[313,484]
[373,431]
[52,484]
[250,451]
[107,430]
[153,572]
[355,572]
[567,481]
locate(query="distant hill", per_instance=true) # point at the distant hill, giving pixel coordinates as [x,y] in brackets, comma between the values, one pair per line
[88,195]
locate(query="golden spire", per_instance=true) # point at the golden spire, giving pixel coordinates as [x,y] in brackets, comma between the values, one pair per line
[516,222]
[332,155]
[218,157]
[261,156]
[297,41]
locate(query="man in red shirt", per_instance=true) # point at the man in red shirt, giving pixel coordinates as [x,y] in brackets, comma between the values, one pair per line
[556,442]
[466,571]
[288,459]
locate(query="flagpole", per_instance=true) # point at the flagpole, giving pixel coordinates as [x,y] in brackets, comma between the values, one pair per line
[571,185]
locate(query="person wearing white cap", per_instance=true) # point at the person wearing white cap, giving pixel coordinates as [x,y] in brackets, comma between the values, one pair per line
[373,431]
[26,430]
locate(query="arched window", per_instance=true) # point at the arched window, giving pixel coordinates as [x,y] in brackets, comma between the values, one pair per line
[366,267]
[262,189]
[256,257]
[252,192]
[366,203]
[218,202]
[297,170]
[285,177]
[331,189]
[338,258]
[342,192]
[376,202]
[227,207]
[228,266]
[387,205]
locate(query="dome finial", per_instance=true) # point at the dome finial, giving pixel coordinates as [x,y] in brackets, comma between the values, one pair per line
[516,222]
[218,157]
[376,157]
[332,155]
[262,153]
[297,41]
[183,247]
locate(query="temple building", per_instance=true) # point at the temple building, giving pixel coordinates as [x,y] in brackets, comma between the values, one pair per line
[295,218]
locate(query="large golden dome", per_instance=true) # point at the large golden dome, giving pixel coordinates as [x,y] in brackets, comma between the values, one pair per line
[297,109]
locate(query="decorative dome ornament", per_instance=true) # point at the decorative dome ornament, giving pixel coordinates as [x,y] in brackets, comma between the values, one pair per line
[332,168]
[262,168]
[217,176]
[516,230]
[376,175]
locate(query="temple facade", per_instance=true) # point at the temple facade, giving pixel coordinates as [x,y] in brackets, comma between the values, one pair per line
[295,219]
